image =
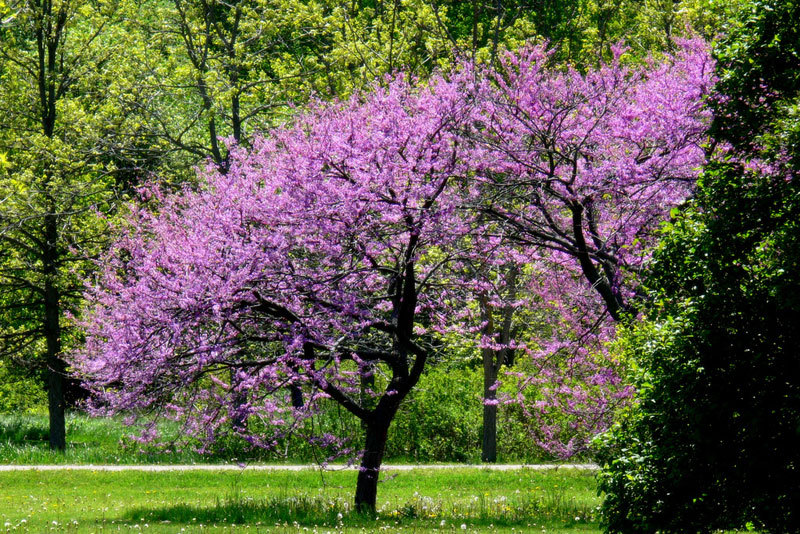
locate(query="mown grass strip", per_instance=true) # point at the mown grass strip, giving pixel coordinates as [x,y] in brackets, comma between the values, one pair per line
[414,501]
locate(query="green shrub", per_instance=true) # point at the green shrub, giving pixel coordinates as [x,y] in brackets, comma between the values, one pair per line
[715,440]
[441,419]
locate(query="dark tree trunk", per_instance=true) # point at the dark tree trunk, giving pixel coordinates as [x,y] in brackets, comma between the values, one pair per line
[489,445]
[55,400]
[55,366]
[297,396]
[367,484]
[493,361]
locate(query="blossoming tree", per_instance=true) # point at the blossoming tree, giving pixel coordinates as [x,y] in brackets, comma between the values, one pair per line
[329,257]
[581,168]
[318,259]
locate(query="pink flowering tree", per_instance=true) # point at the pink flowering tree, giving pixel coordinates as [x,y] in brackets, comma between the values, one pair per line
[581,168]
[316,267]
[329,259]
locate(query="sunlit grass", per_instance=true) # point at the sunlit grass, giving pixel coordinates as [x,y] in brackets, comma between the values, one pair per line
[414,501]
[98,440]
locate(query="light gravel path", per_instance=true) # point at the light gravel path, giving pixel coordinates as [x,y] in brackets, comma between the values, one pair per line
[263,467]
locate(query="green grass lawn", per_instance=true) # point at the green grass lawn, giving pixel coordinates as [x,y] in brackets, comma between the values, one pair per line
[97,440]
[463,500]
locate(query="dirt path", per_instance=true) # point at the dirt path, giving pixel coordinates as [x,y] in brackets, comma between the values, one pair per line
[262,467]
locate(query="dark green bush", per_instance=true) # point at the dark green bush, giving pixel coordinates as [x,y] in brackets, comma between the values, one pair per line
[715,440]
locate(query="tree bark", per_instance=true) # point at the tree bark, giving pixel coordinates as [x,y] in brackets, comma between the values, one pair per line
[489,445]
[55,400]
[490,368]
[493,361]
[374,449]
[52,328]
[297,396]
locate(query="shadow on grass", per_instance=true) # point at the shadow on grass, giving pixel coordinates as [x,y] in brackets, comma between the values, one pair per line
[307,510]
[244,510]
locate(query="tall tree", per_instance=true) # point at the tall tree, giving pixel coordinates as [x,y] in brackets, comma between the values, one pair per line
[215,72]
[53,57]
[307,263]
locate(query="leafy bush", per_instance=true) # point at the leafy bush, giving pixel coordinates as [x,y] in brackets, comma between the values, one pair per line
[441,421]
[715,440]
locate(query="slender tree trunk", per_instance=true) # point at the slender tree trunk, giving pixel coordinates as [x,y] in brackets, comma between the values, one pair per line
[238,419]
[56,367]
[489,445]
[489,433]
[493,361]
[367,484]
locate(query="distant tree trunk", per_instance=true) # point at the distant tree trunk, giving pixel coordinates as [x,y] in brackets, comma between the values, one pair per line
[489,446]
[238,417]
[493,360]
[374,449]
[297,396]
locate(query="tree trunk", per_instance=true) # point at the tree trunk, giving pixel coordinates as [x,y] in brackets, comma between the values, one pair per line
[238,400]
[489,445]
[52,330]
[55,400]
[367,484]
[297,396]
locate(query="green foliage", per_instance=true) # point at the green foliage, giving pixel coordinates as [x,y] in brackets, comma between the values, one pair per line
[760,76]
[715,439]
[20,393]
[441,421]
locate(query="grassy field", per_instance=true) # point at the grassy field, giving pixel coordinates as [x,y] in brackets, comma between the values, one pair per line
[423,500]
[468,500]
